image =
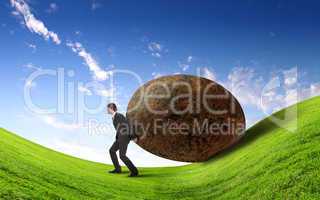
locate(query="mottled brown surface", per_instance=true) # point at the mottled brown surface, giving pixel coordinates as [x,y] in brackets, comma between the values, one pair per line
[188,144]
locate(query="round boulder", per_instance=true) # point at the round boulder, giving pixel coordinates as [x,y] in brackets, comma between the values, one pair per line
[185,118]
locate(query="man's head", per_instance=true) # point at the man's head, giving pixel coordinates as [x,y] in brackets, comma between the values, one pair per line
[111,108]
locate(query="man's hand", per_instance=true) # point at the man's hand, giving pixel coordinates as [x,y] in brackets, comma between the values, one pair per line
[136,140]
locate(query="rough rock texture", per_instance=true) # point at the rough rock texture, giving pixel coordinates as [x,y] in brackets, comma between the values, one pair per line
[175,120]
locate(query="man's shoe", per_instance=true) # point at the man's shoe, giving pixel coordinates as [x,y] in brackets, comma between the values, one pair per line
[115,171]
[134,174]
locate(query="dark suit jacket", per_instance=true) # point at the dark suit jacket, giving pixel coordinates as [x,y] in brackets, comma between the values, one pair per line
[122,127]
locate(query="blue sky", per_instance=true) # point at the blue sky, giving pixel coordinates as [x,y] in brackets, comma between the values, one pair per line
[243,45]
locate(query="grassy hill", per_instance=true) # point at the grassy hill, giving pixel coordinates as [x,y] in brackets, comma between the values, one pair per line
[268,163]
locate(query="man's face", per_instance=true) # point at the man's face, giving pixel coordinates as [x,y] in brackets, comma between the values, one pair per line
[109,110]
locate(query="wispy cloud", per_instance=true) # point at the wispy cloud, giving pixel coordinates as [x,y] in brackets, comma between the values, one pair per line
[153,46]
[156,74]
[54,122]
[266,94]
[32,46]
[98,89]
[53,7]
[208,73]
[105,92]
[32,23]
[269,95]
[37,26]
[78,150]
[85,90]
[95,5]
[32,67]
[315,89]
[155,49]
[77,32]
[15,13]
[309,91]
[98,73]
[290,76]
[245,84]
[185,64]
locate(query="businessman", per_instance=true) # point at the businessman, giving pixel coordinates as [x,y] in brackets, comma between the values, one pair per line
[123,137]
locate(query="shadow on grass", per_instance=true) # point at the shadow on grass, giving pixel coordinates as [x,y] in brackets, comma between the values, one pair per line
[152,175]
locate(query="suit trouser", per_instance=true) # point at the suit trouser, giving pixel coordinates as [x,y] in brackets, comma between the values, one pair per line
[121,145]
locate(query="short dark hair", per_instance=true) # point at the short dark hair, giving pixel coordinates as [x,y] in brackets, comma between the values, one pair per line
[112,106]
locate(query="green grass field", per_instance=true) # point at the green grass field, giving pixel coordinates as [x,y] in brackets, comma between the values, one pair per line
[268,163]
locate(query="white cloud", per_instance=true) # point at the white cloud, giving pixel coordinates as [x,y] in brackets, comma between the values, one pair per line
[32,46]
[272,95]
[15,13]
[315,89]
[184,67]
[53,7]
[111,66]
[95,5]
[153,46]
[98,73]
[156,54]
[102,90]
[54,122]
[291,97]
[105,92]
[209,74]
[156,74]
[33,24]
[79,150]
[245,85]
[155,49]
[309,91]
[32,67]
[185,64]
[290,76]
[84,90]
[265,97]
[285,97]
